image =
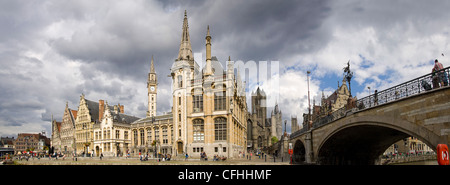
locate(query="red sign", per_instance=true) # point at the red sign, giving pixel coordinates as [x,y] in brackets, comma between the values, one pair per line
[442,154]
[291,151]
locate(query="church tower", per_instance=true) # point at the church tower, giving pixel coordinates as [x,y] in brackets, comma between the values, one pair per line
[181,73]
[152,85]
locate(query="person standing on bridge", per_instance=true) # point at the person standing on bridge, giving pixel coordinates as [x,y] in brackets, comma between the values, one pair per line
[441,75]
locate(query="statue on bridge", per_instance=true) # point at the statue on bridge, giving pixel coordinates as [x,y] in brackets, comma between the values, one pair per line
[348,76]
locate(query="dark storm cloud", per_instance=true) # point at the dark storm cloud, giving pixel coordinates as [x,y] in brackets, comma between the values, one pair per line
[122,43]
[263,30]
[112,42]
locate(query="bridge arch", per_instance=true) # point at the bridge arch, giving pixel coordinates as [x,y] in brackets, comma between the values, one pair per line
[299,155]
[362,139]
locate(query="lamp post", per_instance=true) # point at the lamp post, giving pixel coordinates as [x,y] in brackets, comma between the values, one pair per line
[309,104]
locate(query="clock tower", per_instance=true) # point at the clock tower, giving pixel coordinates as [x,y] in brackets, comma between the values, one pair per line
[152,90]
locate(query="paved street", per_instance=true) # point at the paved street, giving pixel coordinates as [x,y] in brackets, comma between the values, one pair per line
[151,161]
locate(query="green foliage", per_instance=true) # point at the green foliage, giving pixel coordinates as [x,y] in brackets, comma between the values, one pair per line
[274,140]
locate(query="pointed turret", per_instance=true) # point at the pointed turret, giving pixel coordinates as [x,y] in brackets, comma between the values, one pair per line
[208,70]
[185,52]
[151,75]
[152,66]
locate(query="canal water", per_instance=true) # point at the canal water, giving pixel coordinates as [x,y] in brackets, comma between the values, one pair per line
[428,162]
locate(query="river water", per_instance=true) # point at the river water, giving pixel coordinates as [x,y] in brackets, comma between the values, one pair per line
[428,162]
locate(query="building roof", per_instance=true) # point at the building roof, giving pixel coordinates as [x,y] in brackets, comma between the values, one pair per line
[123,118]
[94,109]
[74,113]
[167,116]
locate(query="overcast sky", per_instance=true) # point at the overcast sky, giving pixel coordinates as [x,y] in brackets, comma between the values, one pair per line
[52,51]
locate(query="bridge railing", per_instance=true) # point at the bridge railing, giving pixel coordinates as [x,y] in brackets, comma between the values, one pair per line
[404,90]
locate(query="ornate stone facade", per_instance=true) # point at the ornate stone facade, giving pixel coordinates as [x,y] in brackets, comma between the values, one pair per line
[63,133]
[209,108]
[112,134]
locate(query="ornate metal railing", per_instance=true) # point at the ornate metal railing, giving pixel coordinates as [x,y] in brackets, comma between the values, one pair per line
[407,89]
[404,90]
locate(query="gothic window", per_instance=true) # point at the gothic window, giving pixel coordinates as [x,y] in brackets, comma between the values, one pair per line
[220,129]
[180,81]
[197,101]
[260,141]
[219,101]
[135,137]
[157,133]
[171,134]
[165,138]
[199,130]
[142,136]
[149,136]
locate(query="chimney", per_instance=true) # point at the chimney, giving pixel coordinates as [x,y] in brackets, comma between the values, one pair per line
[101,109]
[115,109]
[122,109]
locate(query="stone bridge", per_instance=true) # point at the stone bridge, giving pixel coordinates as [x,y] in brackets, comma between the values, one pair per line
[361,135]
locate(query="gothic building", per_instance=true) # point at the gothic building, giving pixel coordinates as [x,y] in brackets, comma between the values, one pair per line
[335,101]
[89,115]
[209,108]
[111,136]
[261,129]
[258,130]
[63,132]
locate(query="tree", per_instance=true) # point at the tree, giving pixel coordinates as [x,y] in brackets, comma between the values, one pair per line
[274,139]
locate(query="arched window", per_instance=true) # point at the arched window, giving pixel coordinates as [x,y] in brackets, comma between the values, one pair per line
[164,135]
[180,81]
[220,129]
[141,132]
[260,142]
[156,129]
[199,130]
[135,136]
[149,136]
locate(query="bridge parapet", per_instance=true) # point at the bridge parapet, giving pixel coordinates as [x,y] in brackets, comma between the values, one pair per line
[407,89]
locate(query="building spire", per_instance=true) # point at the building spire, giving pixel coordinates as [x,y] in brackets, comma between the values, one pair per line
[185,52]
[208,70]
[152,66]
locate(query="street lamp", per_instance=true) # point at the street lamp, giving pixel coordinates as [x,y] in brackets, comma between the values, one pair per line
[309,104]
